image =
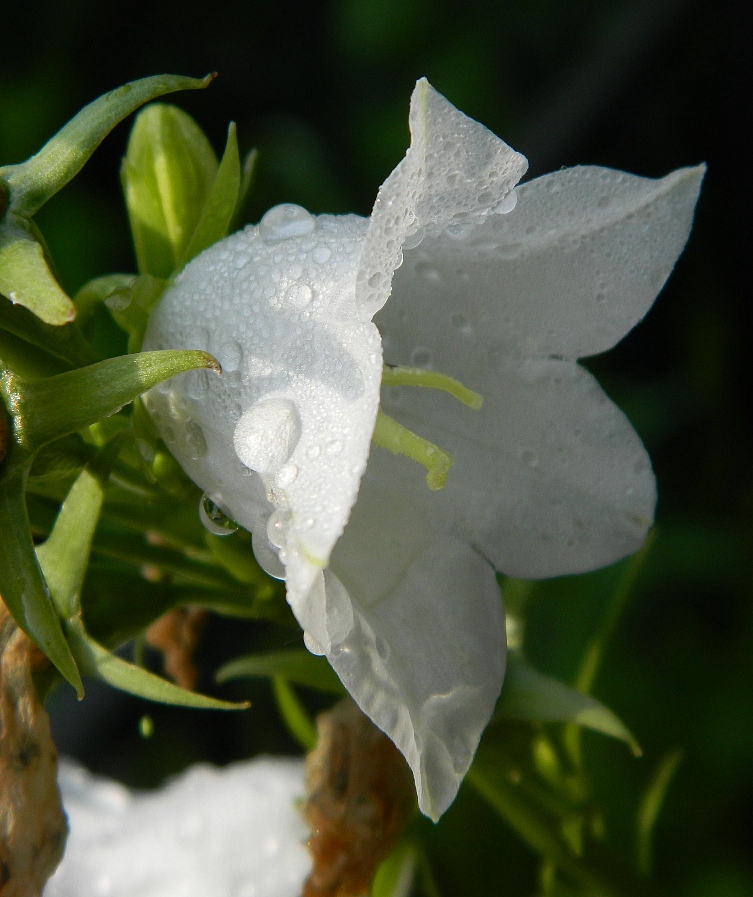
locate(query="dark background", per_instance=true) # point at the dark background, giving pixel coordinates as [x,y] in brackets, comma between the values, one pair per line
[322,89]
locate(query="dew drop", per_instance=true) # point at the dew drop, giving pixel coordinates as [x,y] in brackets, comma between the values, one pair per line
[507,204]
[382,647]
[230,356]
[321,254]
[277,529]
[313,452]
[285,221]
[213,518]
[311,643]
[267,557]
[266,434]
[335,447]
[298,296]
[286,475]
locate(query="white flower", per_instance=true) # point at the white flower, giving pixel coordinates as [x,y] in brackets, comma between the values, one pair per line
[219,832]
[549,476]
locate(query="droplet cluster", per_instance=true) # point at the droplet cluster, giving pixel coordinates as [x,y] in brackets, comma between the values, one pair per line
[275,304]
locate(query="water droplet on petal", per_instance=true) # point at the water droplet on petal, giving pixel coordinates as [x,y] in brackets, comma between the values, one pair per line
[266,434]
[277,529]
[213,518]
[321,254]
[230,356]
[298,296]
[286,475]
[285,221]
[313,646]
[266,556]
[507,204]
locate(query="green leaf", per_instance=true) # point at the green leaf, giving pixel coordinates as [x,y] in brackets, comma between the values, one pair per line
[167,175]
[94,293]
[248,171]
[64,342]
[395,875]
[294,714]
[296,666]
[21,584]
[34,182]
[132,306]
[97,661]
[221,202]
[650,807]
[64,555]
[48,409]
[528,694]
[26,278]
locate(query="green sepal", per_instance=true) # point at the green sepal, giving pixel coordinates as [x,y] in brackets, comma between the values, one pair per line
[167,175]
[530,695]
[26,278]
[32,183]
[22,586]
[295,665]
[221,203]
[294,715]
[131,306]
[63,342]
[96,291]
[45,410]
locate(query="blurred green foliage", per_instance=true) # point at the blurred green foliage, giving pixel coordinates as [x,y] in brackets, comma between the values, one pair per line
[321,88]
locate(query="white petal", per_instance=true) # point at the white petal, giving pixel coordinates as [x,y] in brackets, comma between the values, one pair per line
[425,656]
[221,832]
[287,426]
[455,172]
[568,272]
[550,477]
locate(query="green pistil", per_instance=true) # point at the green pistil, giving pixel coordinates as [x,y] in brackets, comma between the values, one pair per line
[400,376]
[389,434]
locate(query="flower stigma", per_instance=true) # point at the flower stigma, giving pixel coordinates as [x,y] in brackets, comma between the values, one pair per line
[399,440]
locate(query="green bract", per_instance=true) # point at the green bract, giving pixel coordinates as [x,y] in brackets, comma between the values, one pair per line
[26,275]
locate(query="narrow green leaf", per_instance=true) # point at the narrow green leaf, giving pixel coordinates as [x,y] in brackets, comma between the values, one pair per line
[64,555]
[221,202]
[296,666]
[650,807]
[64,342]
[167,175]
[528,694]
[51,408]
[94,293]
[26,278]
[21,584]
[97,661]
[395,875]
[248,171]
[132,306]
[35,181]
[294,715]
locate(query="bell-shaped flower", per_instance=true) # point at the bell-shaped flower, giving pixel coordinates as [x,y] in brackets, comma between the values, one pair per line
[465,277]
